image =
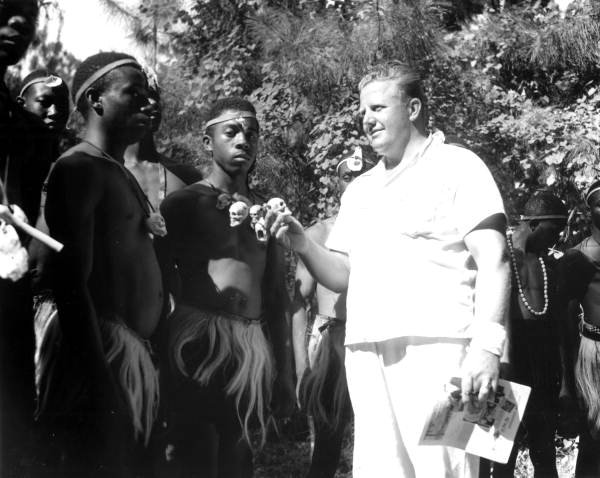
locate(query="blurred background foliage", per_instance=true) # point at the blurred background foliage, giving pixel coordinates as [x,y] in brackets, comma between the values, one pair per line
[516,81]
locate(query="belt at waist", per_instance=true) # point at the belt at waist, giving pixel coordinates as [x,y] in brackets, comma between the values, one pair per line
[224,314]
[588,330]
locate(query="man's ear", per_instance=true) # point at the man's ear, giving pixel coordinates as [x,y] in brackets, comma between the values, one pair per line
[94,100]
[207,141]
[20,100]
[414,108]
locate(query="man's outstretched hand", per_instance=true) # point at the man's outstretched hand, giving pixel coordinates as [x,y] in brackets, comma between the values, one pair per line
[287,230]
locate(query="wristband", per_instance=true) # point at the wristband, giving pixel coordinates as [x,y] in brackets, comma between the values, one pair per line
[489,336]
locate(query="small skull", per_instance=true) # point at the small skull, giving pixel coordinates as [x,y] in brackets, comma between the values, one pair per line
[277,205]
[238,211]
[261,230]
[256,212]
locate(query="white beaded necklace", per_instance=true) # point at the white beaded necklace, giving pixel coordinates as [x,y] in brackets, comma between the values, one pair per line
[513,261]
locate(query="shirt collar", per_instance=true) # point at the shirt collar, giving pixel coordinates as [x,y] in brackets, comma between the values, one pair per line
[432,141]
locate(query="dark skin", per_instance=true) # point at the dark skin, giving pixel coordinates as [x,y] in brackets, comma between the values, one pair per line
[328,442]
[17,28]
[17,388]
[530,242]
[51,105]
[226,269]
[108,268]
[580,287]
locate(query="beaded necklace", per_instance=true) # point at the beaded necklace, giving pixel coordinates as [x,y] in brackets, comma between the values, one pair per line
[513,262]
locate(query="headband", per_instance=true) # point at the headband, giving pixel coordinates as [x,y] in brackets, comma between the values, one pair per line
[590,192]
[50,81]
[101,72]
[229,115]
[354,162]
[543,216]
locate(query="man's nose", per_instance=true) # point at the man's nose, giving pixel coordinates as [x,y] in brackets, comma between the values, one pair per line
[52,110]
[368,122]
[243,143]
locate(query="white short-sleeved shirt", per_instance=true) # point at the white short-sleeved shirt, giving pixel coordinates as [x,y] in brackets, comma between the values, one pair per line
[404,229]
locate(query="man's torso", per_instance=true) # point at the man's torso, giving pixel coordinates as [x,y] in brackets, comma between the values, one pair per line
[125,280]
[220,267]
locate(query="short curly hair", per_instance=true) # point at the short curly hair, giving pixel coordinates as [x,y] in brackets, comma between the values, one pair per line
[90,66]
[544,203]
[43,73]
[236,103]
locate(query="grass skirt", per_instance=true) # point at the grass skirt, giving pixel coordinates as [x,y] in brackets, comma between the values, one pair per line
[130,360]
[45,313]
[324,391]
[587,376]
[231,346]
[129,357]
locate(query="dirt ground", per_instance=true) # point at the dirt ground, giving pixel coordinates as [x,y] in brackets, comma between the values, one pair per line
[288,455]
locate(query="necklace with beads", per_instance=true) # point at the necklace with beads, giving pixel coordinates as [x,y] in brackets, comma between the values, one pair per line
[515,268]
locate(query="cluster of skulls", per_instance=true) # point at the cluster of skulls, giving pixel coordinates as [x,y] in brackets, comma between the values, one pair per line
[240,210]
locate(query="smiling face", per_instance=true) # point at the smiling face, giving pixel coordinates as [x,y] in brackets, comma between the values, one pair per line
[387,117]
[51,105]
[17,28]
[123,104]
[233,143]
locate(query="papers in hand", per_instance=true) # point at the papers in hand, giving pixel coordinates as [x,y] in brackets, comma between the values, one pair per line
[488,432]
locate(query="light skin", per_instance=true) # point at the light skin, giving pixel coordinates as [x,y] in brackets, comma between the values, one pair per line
[327,442]
[389,121]
[329,303]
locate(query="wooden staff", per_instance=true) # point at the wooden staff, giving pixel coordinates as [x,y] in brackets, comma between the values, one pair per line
[26,228]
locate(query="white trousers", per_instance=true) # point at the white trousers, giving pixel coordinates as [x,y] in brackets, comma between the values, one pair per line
[393,385]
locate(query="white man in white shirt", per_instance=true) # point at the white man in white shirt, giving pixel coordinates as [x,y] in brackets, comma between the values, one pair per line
[419,244]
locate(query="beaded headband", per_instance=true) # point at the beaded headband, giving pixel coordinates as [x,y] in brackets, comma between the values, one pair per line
[50,81]
[101,72]
[227,116]
[590,192]
[354,162]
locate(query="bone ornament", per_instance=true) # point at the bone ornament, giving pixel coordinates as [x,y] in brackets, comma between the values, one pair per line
[13,256]
[278,205]
[261,230]
[238,211]
[256,212]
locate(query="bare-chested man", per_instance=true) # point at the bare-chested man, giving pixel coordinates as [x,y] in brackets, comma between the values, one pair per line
[99,394]
[229,341]
[21,174]
[320,373]
[580,284]
[147,164]
[534,350]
